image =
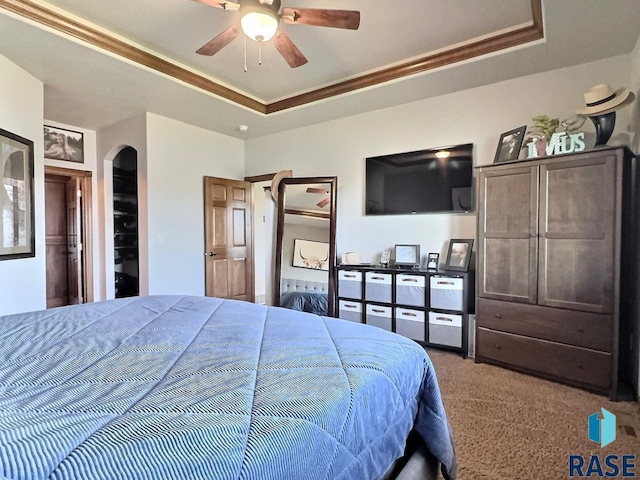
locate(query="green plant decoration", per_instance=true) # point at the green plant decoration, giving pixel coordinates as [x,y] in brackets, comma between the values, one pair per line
[544,127]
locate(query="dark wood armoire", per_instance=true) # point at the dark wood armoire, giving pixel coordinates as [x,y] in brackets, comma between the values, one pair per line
[557,292]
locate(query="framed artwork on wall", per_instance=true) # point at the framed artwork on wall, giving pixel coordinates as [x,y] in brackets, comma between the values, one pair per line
[310,254]
[459,254]
[17,229]
[63,144]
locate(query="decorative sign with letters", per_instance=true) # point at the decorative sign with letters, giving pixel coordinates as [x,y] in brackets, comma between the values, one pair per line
[560,143]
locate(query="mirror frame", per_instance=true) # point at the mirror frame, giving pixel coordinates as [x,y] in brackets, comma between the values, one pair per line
[282,195]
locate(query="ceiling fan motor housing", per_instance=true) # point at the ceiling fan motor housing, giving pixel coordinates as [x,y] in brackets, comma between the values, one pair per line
[259,19]
[272,7]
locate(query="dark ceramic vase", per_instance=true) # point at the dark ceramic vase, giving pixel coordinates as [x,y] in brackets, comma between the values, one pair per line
[604,127]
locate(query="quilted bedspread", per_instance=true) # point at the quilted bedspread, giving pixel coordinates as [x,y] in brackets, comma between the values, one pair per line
[178,387]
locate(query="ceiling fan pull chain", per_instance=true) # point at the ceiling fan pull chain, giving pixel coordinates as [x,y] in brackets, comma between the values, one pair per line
[245,53]
[259,53]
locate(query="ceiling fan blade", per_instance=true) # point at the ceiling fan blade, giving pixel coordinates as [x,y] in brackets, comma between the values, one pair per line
[218,43]
[288,50]
[323,203]
[317,190]
[349,19]
[224,4]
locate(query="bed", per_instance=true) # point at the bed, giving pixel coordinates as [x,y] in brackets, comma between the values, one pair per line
[180,387]
[304,296]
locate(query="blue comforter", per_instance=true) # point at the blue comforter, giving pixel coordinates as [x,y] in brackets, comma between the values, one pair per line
[175,387]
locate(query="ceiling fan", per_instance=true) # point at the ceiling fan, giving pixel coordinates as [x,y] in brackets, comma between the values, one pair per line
[325,201]
[260,19]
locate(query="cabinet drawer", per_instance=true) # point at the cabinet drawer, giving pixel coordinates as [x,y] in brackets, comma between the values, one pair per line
[378,287]
[410,323]
[348,310]
[445,329]
[574,364]
[411,290]
[446,293]
[379,316]
[583,329]
[350,284]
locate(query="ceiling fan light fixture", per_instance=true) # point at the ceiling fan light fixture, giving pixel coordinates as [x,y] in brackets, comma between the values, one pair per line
[259,26]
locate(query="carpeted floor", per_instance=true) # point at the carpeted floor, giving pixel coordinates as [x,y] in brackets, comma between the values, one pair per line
[508,425]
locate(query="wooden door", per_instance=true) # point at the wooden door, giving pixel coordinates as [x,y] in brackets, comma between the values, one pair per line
[56,241]
[74,241]
[507,234]
[228,239]
[577,233]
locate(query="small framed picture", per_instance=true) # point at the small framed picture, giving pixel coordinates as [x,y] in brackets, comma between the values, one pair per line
[62,144]
[432,261]
[385,257]
[408,255]
[459,254]
[509,145]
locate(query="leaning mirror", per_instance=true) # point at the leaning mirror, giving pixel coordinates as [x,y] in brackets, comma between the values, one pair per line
[305,245]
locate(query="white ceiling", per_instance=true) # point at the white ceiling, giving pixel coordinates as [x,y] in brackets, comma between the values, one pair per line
[89,88]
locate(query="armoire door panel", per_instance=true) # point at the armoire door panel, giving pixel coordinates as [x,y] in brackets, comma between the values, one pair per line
[578,201]
[577,228]
[508,207]
[507,264]
[581,283]
[508,201]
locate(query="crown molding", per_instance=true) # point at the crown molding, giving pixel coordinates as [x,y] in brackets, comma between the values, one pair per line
[49,18]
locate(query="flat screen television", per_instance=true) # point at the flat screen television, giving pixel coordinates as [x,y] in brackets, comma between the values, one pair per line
[427,181]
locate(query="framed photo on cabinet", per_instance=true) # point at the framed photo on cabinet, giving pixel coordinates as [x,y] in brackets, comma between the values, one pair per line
[459,254]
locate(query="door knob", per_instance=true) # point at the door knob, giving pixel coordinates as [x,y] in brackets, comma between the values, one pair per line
[210,254]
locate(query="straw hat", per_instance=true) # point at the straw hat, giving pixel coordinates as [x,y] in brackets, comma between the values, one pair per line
[275,183]
[601,100]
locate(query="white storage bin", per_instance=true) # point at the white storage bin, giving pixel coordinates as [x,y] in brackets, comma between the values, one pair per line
[378,287]
[410,323]
[379,316]
[349,284]
[445,329]
[446,293]
[351,311]
[411,289]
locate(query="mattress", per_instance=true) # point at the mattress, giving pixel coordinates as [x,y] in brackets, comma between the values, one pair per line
[178,387]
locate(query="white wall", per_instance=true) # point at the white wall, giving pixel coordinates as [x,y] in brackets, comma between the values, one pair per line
[90,164]
[178,157]
[260,200]
[477,115]
[634,86]
[133,133]
[22,281]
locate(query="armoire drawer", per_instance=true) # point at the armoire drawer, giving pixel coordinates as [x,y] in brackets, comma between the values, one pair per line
[582,329]
[574,364]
